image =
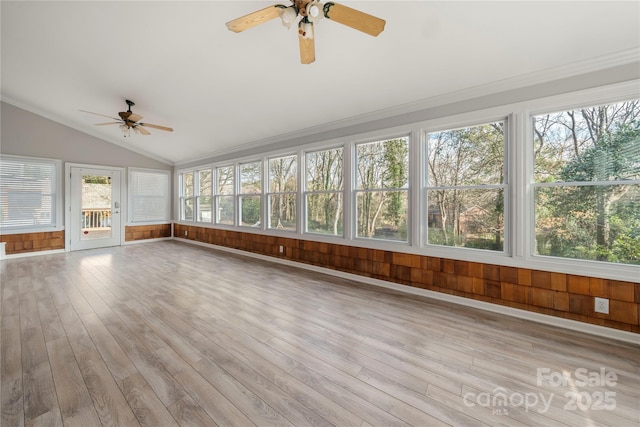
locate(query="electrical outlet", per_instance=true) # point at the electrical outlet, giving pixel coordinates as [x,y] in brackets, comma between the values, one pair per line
[281,249]
[185,233]
[602,305]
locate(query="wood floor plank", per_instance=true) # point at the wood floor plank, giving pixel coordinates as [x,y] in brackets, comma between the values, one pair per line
[167,333]
[11,392]
[75,402]
[40,398]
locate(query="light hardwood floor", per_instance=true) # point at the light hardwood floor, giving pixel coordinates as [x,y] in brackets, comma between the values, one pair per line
[168,333]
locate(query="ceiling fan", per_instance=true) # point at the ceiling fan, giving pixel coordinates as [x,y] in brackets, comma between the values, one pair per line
[129,120]
[308,13]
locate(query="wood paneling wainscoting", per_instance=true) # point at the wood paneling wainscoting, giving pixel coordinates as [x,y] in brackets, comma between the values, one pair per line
[556,294]
[145,232]
[33,242]
[54,240]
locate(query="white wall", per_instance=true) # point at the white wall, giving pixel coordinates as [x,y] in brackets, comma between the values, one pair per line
[27,134]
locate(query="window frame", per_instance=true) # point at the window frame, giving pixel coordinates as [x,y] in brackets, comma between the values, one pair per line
[240,194]
[217,195]
[518,221]
[199,195]
[355,190]
[566,103]
[506,186]
[182,198]
[342,192]
[269,193]
[57,196]
[601,95]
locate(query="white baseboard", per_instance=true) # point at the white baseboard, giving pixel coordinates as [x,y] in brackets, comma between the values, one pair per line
[34,253]
[546,319]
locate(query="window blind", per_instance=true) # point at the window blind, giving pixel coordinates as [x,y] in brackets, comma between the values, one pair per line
[27,192]
[149,196]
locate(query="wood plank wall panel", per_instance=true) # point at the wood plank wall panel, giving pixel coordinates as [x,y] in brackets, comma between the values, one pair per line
[557,294]
[33,242]
[144,232]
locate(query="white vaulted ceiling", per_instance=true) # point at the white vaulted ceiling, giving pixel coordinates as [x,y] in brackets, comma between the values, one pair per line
[223,91]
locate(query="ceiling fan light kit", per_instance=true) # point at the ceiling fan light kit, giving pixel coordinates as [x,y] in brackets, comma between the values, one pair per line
[309,12]
[129,120]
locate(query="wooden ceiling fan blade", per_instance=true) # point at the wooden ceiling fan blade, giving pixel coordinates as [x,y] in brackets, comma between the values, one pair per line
[353,18]
[141,130]
[134,117]
[108,123]
[98,114]
[149,125]
[307,48]
[255,18]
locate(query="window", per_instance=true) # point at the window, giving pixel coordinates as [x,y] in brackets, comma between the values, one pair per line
[205,196]
[28,192]
[587,183]
[323,195]
[466,187]
[250,199]
[283,184]
[149,196]
[225,196]
[382,194]
[187,196]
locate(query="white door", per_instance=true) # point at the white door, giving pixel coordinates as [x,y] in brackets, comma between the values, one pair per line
[95,208]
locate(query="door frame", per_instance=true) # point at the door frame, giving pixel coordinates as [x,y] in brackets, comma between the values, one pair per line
[67,199]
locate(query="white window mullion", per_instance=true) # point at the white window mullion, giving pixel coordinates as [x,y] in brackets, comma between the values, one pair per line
[417,215]
[348,199]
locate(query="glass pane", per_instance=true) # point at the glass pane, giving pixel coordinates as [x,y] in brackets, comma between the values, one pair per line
[96,207]
[324,170]
[382,215]
[590,222]
[187,209]
[466,218]
[469,156]
[187,184]
[282,211]
[383,164]
[205,180]
[225,206]
[283,174]
[324,213]
[250,178]
[225,180]
[250,211]
[204,208]
[589,144]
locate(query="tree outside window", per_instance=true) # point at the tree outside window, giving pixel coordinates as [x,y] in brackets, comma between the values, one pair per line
[283,177]
[382,189]
[187,197]
[250,199]
[323,194]
[587,183]
[466,187]
[225,195]
[205,198]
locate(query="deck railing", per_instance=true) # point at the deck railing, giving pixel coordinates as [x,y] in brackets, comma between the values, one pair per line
[96,218]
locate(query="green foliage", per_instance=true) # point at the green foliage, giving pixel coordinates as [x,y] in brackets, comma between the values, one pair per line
[93,179]
[596,222]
